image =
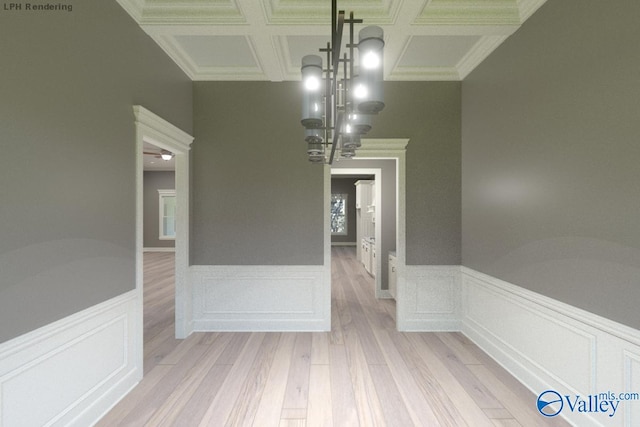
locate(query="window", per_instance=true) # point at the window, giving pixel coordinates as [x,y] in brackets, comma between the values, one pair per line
[339,214]
[167,214]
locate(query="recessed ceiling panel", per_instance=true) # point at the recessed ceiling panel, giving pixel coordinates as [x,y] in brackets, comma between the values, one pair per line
[214,11]
[217,51]
[301,46]
[319,11]
[437,51]
[479,12]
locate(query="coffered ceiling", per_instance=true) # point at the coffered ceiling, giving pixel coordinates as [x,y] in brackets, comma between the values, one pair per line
[266,39]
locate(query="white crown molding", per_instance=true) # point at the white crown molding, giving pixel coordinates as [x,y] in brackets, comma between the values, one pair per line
[528,8]
[424,74]
[133,8]
[477,54]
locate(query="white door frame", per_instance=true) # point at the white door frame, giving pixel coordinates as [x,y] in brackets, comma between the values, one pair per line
[157,131]
[377,149]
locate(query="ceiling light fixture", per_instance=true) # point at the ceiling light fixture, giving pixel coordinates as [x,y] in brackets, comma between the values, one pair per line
[166,155]
[339,102]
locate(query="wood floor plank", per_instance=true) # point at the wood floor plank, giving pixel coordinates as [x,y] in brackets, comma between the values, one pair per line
[193,412]
[297,391]
[368,404]
[459,349]
[394,409]
[507,422]
[526,414]
[415,401]
[150,382]
[438,398]
[480,393]
[155,399]
[320,348]
[185,390]
[235,347]
[292,422]
[246,407]
[270,406]
[343,402]
[468,408]
[294,414]
[320,411]
[219,410]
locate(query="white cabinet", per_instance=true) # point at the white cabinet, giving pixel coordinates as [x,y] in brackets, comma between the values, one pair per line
[364,225]
[373,264]
[393,281]
[364,193]
[366,254]
[369,256]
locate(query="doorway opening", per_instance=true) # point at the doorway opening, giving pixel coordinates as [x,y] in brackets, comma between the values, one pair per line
[159,224]
[153,132]
[393,151]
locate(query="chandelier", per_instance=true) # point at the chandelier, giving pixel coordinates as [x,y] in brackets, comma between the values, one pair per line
[339,101]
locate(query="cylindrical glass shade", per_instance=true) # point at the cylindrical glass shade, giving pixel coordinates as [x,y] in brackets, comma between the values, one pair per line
[351,141]
[369,91]
[312,105]
[348,152]
[360,123]
[314,136]
[314,149]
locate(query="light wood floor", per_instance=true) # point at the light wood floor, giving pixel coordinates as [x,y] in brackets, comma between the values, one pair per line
[362,373]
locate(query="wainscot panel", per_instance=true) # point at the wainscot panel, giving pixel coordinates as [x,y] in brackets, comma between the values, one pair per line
[265,298]
[429,298]
[50,376]
[552,346]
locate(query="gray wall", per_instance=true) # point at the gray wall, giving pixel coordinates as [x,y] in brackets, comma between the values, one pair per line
[67,85]
[550,158]
[154,181]
[257,200]
[428,113]
[346,186]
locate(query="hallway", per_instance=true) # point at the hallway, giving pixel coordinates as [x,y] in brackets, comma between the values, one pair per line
[363,372]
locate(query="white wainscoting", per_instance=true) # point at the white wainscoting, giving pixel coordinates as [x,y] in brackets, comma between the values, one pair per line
[69,373]
[261,298]
[547,344]
[429,298]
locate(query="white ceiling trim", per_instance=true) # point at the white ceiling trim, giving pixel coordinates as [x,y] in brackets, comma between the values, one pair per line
[267,25]
[477,54]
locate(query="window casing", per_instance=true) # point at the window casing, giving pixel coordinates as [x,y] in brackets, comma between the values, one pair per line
[339,214]
[167,214]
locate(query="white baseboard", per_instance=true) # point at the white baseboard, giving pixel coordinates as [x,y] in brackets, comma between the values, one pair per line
[344,244]
[547,345]
[69,373]
[159,249]
[428,298]
[261,298]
